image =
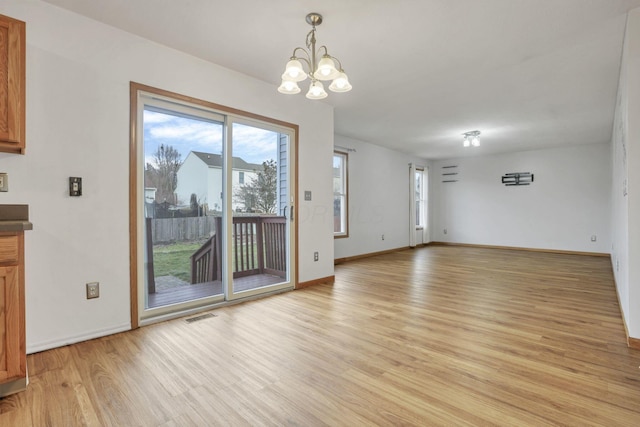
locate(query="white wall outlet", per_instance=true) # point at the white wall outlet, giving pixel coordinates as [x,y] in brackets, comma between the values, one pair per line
[444,231]
[383,237]
[93,290]
[316,256]
[594,238]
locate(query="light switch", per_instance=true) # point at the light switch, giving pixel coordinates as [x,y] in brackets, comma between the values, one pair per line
[4,182]
[75,186]
[307,196]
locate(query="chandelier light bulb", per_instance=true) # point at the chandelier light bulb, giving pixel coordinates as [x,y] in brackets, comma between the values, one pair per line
[326,69]
[289,87]
[316,91]
[294,71]
[340,84]
[466,142]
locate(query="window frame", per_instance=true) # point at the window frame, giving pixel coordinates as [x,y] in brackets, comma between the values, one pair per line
[421,216]
[344,195]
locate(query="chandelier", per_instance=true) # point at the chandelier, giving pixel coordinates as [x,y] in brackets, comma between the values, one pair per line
[471,138]
[317,71]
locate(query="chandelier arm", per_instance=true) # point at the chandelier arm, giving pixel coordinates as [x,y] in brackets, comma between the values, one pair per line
[326,53]
[339,63]
[305,60]
[304,51]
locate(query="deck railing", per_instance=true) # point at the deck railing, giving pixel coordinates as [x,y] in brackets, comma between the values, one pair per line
[258,247]
[205,263]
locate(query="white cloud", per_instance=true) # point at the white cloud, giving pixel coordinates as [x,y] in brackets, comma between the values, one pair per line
[154,117]
[252,144]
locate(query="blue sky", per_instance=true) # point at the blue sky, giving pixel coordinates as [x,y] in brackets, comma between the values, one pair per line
[252,144]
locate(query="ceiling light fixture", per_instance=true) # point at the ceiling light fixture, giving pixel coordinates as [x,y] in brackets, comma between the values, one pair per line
[317,71]
[471,138]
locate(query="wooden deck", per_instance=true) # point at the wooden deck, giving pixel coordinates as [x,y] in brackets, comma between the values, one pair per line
[436,336]
[203,290]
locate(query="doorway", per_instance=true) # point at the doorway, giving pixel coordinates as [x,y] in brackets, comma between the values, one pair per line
[214,205]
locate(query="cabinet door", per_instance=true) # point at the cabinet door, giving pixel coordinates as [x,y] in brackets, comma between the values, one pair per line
[12,85]
[10,324]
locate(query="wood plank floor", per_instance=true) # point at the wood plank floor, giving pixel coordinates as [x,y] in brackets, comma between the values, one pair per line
[434,336]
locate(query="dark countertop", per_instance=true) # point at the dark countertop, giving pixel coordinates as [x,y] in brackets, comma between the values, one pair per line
[15,218]
[15,225]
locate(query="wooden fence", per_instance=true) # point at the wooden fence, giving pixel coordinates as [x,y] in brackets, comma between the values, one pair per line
[168,230]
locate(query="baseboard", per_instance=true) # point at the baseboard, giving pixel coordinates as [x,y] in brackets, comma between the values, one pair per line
[321,281]
[48,345]
[368,255]
[470,245]
[12,387]
[517,248]
[631,342]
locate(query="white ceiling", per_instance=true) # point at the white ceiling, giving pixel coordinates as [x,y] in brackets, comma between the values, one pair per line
[527,73]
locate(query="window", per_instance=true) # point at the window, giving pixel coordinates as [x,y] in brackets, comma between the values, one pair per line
[241,177]
[340,199]
[420,198]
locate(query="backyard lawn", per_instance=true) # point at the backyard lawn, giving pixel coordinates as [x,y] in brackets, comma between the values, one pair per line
[173,259]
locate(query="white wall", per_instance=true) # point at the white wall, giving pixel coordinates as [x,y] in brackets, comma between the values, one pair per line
[78,74]
[567,203]
[626,180]
[378,199]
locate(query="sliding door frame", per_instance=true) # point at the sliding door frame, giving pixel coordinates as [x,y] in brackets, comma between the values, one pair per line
[135,174]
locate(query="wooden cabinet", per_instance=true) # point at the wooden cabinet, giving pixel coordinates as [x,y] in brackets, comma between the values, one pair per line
[12,85]
[13,360]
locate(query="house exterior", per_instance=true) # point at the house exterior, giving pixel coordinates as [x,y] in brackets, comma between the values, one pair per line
[201,174]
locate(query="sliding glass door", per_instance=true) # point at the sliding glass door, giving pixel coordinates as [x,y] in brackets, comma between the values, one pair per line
[182,185]
[215,215]
[260,208]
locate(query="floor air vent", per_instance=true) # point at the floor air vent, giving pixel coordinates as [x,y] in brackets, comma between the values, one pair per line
[202,317]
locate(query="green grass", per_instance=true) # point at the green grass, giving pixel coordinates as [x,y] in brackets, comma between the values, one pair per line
[173,260]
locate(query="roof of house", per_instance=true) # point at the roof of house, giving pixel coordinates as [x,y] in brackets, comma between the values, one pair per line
[215,160]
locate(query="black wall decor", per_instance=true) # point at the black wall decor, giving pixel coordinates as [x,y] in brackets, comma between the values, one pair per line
[449,173]
[517,178]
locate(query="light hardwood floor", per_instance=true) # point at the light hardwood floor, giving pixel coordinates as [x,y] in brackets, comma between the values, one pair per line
[434,336]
